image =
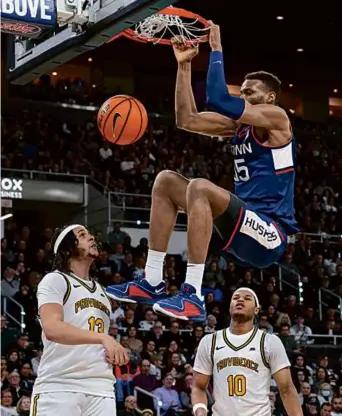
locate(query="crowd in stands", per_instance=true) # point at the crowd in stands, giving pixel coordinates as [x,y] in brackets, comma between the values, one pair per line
[43,143]
[162,350]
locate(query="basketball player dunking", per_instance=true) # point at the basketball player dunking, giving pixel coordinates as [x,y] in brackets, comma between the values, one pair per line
[75,375]
[242,359]
[255,221]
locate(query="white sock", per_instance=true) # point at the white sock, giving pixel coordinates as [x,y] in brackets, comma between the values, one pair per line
[194,277]
[154,266]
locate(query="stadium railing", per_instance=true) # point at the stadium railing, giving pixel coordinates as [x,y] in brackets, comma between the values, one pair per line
[117,202]
[329,293]
[121,207]
[333,337]
[147,393]
[8,303]
[321,237]
[38,174]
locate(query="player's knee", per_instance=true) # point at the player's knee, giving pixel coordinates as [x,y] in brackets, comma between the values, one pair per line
[163,180]
[198,187]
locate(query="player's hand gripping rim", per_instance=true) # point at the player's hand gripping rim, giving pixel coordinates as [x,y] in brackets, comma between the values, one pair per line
[183,52]
[215,37]
[115,353]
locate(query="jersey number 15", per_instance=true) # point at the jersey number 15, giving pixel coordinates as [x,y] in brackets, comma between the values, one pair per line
[241,173]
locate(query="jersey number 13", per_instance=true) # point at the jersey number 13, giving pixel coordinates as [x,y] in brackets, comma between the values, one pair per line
[96,324]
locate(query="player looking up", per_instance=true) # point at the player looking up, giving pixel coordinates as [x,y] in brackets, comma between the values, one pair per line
[242,359]
[75,375]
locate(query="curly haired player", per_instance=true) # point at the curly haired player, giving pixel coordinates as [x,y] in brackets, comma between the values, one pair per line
[75,375]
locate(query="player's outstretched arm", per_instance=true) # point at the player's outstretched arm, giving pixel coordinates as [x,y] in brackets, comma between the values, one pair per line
[219,99]
[187,116]
[288,392]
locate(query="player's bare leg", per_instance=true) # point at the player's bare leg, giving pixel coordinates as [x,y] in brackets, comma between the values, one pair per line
[204,202]
[168,195]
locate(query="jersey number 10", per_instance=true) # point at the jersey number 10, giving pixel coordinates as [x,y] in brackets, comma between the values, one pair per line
[236,385]
[240,171]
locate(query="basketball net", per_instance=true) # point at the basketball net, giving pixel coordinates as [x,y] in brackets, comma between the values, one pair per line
[155,27]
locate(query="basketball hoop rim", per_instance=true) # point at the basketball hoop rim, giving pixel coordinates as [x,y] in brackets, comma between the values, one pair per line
[173,11]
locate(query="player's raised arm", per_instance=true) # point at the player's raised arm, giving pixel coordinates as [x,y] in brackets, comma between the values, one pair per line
[187,116]
[50,294]
[280,370]
[271,117]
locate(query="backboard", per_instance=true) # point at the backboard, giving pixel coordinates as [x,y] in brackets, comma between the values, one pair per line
[104,19]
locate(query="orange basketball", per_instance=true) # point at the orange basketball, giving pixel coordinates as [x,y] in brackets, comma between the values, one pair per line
[122,119]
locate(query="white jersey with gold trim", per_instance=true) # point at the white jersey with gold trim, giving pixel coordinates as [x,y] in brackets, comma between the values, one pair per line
[75,368]
[242,367]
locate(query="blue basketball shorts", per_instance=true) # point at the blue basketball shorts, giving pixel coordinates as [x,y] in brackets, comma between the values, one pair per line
[253,238]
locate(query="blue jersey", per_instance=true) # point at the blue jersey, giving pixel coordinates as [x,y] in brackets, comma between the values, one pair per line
[264,176]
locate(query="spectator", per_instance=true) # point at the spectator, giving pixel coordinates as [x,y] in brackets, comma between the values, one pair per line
[156,334]
[35,361]
[148,323]
[129,318]
[172,335]
[14,386]
[211,324]
[290,344]
[325,393]
[116,236]
[312,407]
[8,336]
[336,406]
[145,381]
[130,407]
[301,331]
[305,391]
[134,343]
[23,406]
[7,406]
[325,409]
[117,313]
[124,376]
[10,283]
[167,398]
[13,361]
[150,350]
[27,379]
[321,377]
[127,268]
[264,324]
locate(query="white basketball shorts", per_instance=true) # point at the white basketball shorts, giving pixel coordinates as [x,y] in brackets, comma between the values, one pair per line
[71,404]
